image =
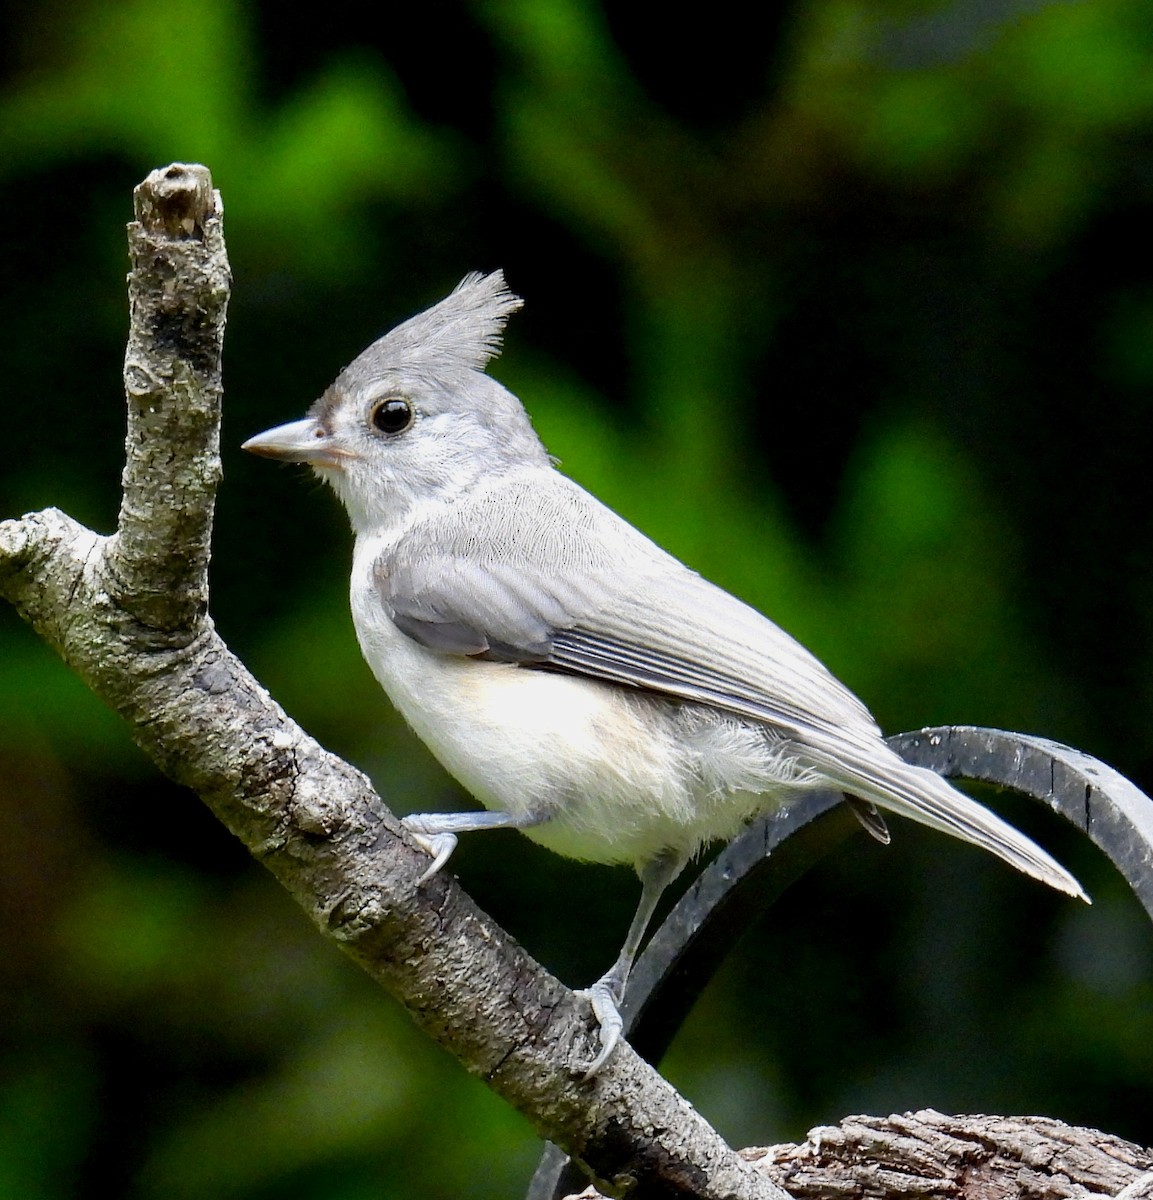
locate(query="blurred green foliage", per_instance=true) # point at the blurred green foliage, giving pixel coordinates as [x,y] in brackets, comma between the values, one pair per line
[848,312]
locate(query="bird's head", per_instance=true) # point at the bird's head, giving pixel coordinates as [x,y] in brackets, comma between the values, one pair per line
[414,418]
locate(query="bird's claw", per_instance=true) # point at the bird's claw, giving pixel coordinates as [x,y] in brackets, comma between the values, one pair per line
[438,846]
[602,996]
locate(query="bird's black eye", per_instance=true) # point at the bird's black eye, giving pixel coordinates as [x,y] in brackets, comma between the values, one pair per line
[393,415]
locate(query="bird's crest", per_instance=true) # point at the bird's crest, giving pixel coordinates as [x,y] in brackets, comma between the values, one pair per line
[462,331]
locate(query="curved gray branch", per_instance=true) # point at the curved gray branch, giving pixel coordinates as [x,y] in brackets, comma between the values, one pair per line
[732,892]
[1115,814]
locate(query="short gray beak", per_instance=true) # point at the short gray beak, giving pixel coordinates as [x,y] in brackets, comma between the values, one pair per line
[304,441]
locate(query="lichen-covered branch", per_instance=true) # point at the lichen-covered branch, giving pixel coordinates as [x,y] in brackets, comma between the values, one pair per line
[129,613]
[178,293]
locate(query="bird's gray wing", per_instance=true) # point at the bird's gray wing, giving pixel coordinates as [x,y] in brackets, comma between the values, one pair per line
[560,582]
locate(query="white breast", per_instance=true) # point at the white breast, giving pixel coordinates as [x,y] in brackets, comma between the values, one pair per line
[619,773]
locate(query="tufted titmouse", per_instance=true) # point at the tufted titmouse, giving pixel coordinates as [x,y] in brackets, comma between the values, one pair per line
[585,686]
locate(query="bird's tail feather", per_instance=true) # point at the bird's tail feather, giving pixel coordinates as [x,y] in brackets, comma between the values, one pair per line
[923,796]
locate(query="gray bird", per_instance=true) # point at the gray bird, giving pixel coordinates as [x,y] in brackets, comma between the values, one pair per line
[584,685]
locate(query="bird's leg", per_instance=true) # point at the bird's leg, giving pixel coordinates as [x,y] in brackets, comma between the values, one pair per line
[435,833]
[606,994]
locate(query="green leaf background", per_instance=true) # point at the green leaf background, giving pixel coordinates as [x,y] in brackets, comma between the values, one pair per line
[844,304]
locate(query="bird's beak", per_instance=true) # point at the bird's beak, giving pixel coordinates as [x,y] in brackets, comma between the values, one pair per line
[304,441]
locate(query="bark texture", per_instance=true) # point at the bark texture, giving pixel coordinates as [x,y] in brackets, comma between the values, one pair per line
[129,613]
[929,1156]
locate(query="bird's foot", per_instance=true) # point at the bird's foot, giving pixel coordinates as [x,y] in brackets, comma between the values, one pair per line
[435,833]
[437,845]
[605,997]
